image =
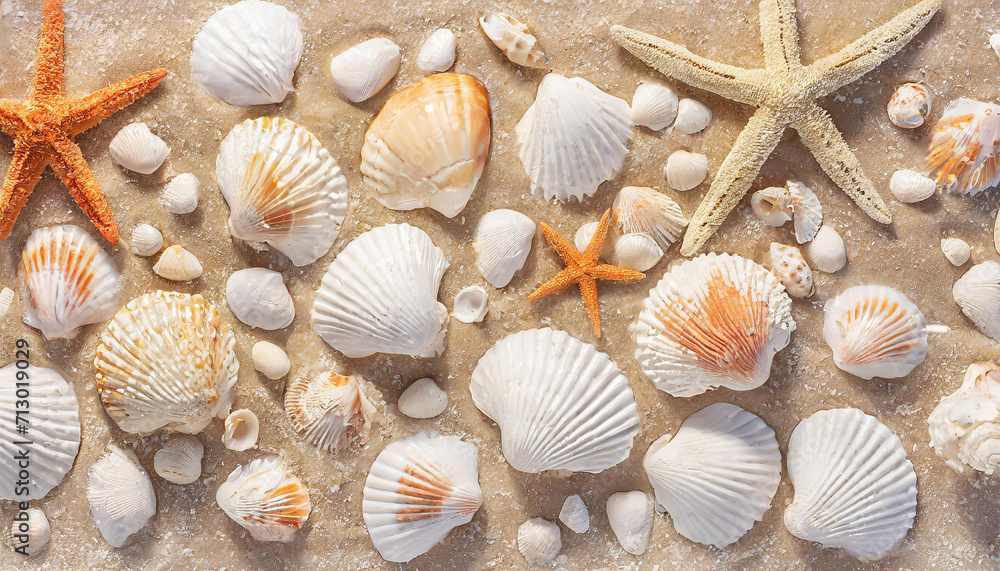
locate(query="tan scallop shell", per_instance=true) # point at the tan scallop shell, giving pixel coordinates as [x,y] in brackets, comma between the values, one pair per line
[330,410]
[266,498]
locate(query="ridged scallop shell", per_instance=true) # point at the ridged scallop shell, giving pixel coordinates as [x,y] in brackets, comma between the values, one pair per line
[266,499]
[120,495]
[380,295]
[807,212]
[772,205]
[513,37]
[422,399]
[179,461]
[166,360]
[827,251]
[29,536]
[502,241]
[270,360]
[282,187]
[242,429]
[956,250]
[53,422]
[685,170]
[246,53]
[572,138]
[259,298]
[330,410]
[560,404]
[965,425]
[574,514]
[539,541]
[642,210]
[692,116]
[363,70]
[717,475]
[792,270]
[438,51]
[631,517]
[977,292]
[428,145]
[471,304]
[909,106]
[854,487]
[910,186]
[180,195]
[963,152]
[716,320]
[178,265]
[6,300]
[417,491]
[146,240]
[654,105]
[69,280]
[138,150]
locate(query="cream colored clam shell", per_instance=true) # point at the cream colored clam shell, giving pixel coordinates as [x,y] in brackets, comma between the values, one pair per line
[330,410]
[270,360]
[827,251]
[642,210]
[977,292]
[120,495]
[685,170]
[266,499]
[437,52]
[177,264]
[363,70]
[631,517]
[654,105]
[145,241]
[259,298]
[422,399]
[574,514]
[956,250]
[502,241]
[179,461]
[910,186]
[180,195]
[965,425]
[137,149]
[692,116]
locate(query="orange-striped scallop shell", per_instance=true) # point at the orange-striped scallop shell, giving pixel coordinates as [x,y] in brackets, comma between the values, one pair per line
[266,498]
[330,410]
[963,152]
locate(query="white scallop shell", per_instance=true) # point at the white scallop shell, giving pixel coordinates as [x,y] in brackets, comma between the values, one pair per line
[717,475]
[52,419]
[418,490]
[138,150]
[807,212]
[716,320]
[266,498]
[965,425]
[471,304]
[29,536]
[270,360]
[513,37]
[909,106]
[956,250]
[282,187]
[692,116]
[572,138]
[178,265]
[539,541]
[363,70]
[502,241]
[910,186]
[380,295]
[639,209]
[638,252]
[854,487]
[685,170]
[560,404]
[166,360]
[438,52]
[654,105]
[330,410]
[827,252]
[631,517]
[180,195]
[772,205]
[246,53]
[965,145]
[422,399]
[792,270]
[120,495]
[242,429]
[146,240]
[179,461]
[6,300]
[574,514]
[69,281]
[259,298]
[978,294]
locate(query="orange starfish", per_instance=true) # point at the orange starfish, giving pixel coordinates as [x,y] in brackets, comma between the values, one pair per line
[44,126]
[584,270]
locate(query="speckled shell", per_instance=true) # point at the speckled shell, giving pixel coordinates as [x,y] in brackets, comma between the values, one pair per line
[965,425]
[792,270]
[166,360]
[259,298]
[330,410]
[137,149]
[807,212]
[963,152]
[978,294]
[513,37]
[179,461]
[642,210]
[266,499]
[120,495]
[502,241]
[363,70]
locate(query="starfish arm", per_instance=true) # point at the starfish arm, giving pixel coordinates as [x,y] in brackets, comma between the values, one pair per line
[869,51]
[569,254]
[824,140]
[596,244]
[68,163]
[25,169]
[734,177]
[88,111]
[608,272]
[780,34]
[11,113]
[588,289]
[742,85]
[561,281]
[49,64]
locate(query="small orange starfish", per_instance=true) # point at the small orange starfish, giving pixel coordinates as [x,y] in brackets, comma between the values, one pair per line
[44,126]
[584,270]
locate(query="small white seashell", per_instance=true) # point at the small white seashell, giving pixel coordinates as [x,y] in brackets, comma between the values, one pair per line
[639,209]
[266,499]
[138,150]
[685,170]
[584,235]
[180,195]
[121,495]
[417,491]
[654,105]
[909,106]
[363,70]
[539,541]
[246,53]
[956,250]
[146,240]
[807,212]
[631,517]
[502,241]
[772,205]
[574,514]
[638,252]
[422,399]
[330,410]
[438,52]
[178,265]
[270,360]
[259,298]
[854,487]
[995,43]
[827,251]
[513,38]
[910,186]
[692,116]
[242,429]
[788,264]
[572,138]
[978,294]
[964,425]
[470,305]
[965,145]
[6,300]
[179,461]
[29,536]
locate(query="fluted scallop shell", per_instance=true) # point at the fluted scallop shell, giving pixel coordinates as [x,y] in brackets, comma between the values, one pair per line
[574,514]
[956,250]
[120,495]
[270,360]
[428,145]
[179,461]
[330,410]
[963,152]
[539,541]
[69,281]
[422,399]
[692,116]
[180,195]
[965,425]
[654,105]
[52,420]
[642,210]
[854,487]
[685,170]
[792,270]
[910,186]
[717,475]
[513,37]
[977,292]
[137,149]
[560,404]
[807,212]
[242,429]
[146,240]
[631,517]
[177,264]
[418,490]
[29,536]
[909,106]
[470,304]
[166,360]
[716,320]
[363,70]
[772,205]
[438,51]
[282,187]
[502,241]
[572,138]
[827,251]
[380,295]
[259,298]
[266,499]
[246,53]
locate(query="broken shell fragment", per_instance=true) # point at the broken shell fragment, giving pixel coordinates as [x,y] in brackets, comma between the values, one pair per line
[772,205]
[438,52]
[827,251]
[120,495]
[180,195]
[179,461]
[692,116]
[146,240]
[654,105]
[242,429]
[956,250]
[965,425]
[502,241]
[685,170]
[330,410]
[270,360]
[138,150]
[910,186]
[963,152]
[514,39]
[266,499]
[792,270]
[422,399]
[909,106]
[977,292]
[6,300]
[178,265]
[259,298]
[807,212]
[470,305]
[29,536]
[363,70]
[574,514]
[642,210]
[539,541]
[631,517]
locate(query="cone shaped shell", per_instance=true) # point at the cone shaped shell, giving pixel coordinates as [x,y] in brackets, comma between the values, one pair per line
[120,495]
[965,425]
[329,410]
[266,498]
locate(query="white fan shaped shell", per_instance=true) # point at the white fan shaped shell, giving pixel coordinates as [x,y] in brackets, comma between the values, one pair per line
[29,537]
[330,410]
[259,298]
[854,487]
[965,425]
[502,241]
[282,187]
[180,195]
[417,491]
[137,149]
[246,53]
[717,475]
[643,210]
[146,240]
[69,281]
[977,292]
[572,138]
[574,514]
[363,70]
[121,495]
[539,541]
[380,295]
[807,211]
[53,421]
[266,499]
[654,105]
[560,403]
[179,461]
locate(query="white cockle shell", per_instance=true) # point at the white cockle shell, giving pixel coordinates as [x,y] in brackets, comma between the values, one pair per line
[180,195]
[266,499]
[137,149]
[422,399]
[363,70]
[177,264]
[631,517]
[827,251]
[502,241]
[654,105]
[259,298]
[685,170]
[120,495]
[146,240]
[539,541]
[692,116]
[977,292]
[179,460]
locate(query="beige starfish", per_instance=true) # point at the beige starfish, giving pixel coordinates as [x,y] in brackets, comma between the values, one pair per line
[785,93]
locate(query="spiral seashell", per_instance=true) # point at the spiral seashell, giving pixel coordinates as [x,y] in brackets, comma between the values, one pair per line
[956,250]
[574,514]
[692,116]
[363,70]
[178,265]
[631,517]
[827,252]
[514,39]
[965,145]
[965,425]
[180,195]
[977,293]
[685,170]
[138,150]
[266,499]
[242,429]
[329,410]
[654,105]
[772,206]
[179,461]
[438,52]
[422,399]
[539,541]
[909,106]
[259,298]
[270,360]
[146,240]
[120,495]
[502,241]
